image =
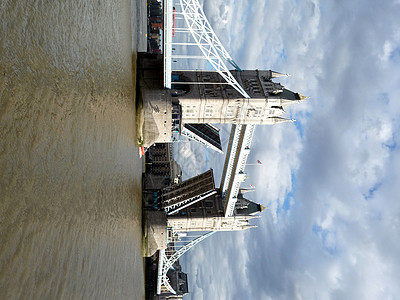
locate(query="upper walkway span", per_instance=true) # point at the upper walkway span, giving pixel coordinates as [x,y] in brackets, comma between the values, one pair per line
[236,157]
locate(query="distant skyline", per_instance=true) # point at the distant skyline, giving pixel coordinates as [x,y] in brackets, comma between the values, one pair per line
[331,178]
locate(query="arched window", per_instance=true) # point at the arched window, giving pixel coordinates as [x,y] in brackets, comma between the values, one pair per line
[178,88]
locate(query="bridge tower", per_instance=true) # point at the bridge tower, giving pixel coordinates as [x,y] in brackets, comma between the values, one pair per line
[243,98]
[205,97]
[208,214]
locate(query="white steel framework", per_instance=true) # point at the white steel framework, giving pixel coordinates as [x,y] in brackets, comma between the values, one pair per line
[204,37]
[200,140]
[240,142]
[166,261]
[174,207]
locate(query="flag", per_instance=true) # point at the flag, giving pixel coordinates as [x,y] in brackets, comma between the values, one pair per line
[259,162]
[141,151]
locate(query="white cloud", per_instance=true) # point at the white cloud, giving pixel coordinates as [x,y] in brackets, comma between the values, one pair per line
[386,51]
[343,168]
[279,157]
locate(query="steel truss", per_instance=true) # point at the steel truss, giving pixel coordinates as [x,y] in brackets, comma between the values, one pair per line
[208,42]
[175,207]
[165,262]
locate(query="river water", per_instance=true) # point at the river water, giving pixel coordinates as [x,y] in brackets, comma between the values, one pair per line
[70,175]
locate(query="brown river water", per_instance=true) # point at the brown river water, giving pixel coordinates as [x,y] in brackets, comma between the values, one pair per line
[70,175]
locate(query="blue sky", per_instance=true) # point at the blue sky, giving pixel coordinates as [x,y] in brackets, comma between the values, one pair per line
[338,236]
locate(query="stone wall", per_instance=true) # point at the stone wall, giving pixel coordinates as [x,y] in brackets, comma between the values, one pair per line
[155,232]
[156,102]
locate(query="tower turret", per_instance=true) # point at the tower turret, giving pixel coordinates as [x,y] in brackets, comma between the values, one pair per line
[277,74]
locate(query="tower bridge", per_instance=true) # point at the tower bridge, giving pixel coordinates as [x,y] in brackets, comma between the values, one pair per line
[196,99]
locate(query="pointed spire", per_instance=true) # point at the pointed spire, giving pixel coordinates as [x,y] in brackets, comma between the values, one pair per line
[264,207]
[249,226]
[246,190]
[302,97]
[255,217]
[277,74]
[277,120]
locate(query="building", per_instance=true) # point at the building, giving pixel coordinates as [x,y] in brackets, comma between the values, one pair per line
[160,170]
[160,162]
[205,98]
[155,26]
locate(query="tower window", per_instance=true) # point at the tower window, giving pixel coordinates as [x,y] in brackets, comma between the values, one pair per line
[190,111]
[257,112]
[209,111]
[229,112]
[208,204]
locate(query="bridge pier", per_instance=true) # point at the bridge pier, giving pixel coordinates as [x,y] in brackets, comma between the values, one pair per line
[153,101]
[154,232]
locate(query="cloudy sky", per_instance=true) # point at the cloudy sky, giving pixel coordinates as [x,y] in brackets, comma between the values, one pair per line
[331,179]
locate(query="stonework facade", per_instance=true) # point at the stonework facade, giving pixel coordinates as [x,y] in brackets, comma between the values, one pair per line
[154,110]
[160,168]
[212,101]
[202,97]
[209,223]
[208,215]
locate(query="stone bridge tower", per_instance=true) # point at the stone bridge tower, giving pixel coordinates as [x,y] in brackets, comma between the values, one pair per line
[205,98]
